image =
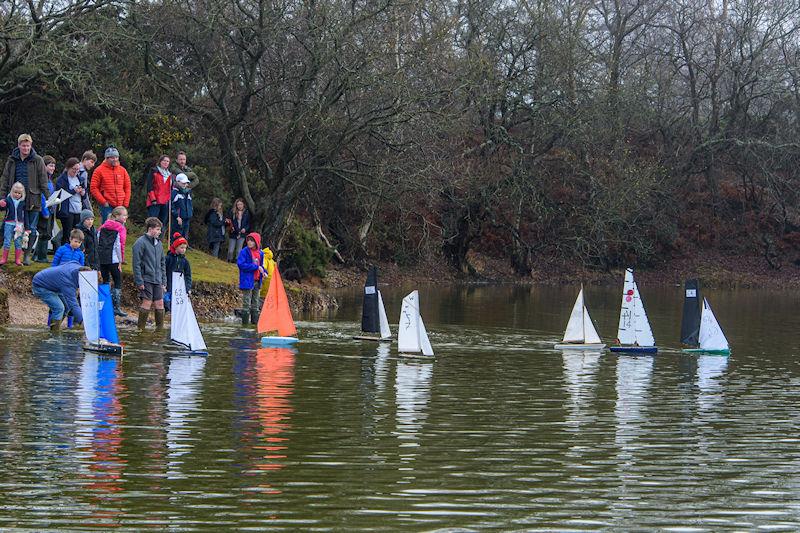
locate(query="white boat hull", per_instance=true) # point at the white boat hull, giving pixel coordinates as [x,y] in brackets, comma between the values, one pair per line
[577,346]
[278,341]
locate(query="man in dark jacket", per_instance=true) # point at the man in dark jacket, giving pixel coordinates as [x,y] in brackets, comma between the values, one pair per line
[149,273]
[27,167]
[56,286]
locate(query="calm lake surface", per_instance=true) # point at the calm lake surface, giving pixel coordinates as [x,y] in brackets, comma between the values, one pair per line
[500,431]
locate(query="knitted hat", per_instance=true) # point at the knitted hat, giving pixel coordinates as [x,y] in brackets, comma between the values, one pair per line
[177,242]
[85,214]
[112,151]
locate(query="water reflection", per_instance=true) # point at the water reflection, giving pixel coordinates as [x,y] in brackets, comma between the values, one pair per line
[580,371]
[272,406]
[710,369]
[633,384]
[184,380]
[412,394]
[98,420]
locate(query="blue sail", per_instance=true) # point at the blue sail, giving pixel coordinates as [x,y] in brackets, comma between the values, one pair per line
[108,327]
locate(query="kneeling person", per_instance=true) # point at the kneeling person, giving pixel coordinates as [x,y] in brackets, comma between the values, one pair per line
[56,286]
[149,273]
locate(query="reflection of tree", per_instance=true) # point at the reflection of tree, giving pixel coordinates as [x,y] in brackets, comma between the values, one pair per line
[99,421]
[274,385]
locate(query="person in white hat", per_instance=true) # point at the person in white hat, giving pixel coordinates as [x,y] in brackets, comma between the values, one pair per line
[181,211]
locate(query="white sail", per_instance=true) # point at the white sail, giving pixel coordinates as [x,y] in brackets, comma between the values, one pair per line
[574,331]
[424,341]
[590,334]
[711,336]
[634,327]
[384,321]
[87,283]
[408,330]
[184,328]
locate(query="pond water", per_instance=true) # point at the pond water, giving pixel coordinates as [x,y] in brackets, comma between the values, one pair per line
[500,431]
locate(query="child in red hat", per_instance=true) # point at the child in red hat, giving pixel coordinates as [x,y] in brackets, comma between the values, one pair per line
[177,262]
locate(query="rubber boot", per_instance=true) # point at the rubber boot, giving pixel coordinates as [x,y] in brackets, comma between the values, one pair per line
[26,258]
[55,325]
[254,316]
[40,251]
[245,317]
[4,260]
[142,322]
[18,257]
[159,314]
[116,300]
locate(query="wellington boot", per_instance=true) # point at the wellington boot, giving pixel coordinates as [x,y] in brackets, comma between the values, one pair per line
[142,322]
[40,251]
[26,258]
[18,257]
[4,260]
[55,325]
[254,316]
[245,317]
[159,314]
[116,300]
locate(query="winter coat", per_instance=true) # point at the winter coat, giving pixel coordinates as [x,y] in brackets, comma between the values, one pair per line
[63,183]
[178,263]
[35,182]
[235,229]
[176,169]
[269,265]
[17,214]
[90,246]
[148,262]
[65,254]
[215,227]
[249,274]
[158,189]
[111,185]
[182,204]
[111,242]
[45,196]
[62,279]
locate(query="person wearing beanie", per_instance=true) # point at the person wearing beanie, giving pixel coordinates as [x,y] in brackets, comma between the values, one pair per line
[177,262]
[86,225]
[111,184]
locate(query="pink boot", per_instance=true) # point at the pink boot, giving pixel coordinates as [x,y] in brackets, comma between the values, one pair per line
[18,257]
[4,260]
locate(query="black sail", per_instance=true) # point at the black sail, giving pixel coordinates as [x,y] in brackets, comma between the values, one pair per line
[690,324]
[370,320]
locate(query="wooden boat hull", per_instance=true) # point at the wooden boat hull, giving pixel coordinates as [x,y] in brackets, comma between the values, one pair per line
[709,352]
[278,341]
[374,339]
[408,355]
[105,349]
[634,349]
[568,346]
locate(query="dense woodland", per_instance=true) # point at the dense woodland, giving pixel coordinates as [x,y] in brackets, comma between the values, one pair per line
[595,132]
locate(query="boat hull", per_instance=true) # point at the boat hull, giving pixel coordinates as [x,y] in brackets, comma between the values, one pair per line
[105,349]
[409,355]
[374,339]
[634,349]
[568,346]
[278,341]
[709,352]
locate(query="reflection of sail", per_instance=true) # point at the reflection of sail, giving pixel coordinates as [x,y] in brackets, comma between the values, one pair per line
[381,368]
[274,387]
[98,422]
[413,391]
[633,384]
[580,369]
[183,385]
[709,370]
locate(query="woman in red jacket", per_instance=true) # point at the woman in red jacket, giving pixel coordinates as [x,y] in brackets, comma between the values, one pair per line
[159,188]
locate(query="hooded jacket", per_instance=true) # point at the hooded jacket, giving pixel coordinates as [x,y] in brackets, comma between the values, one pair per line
[111,242]
[248,266]
[36,178]
[111,185]
[158,188]
[62,279]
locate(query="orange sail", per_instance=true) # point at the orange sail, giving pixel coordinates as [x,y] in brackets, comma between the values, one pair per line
[275,314]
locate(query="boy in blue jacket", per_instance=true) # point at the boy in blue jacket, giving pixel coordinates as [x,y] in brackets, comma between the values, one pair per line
[70,251]
[56,287]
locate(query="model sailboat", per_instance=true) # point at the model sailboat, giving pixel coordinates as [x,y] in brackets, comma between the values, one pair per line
[580,333]
[98,315]
[276,321]
[412,338]
[374,323]
[634,333]
[184,329]
[711,339]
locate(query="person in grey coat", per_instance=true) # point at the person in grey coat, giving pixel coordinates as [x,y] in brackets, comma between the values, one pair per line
[150,273]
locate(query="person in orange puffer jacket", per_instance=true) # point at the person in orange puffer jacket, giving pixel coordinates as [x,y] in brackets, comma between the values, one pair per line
[111,184]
